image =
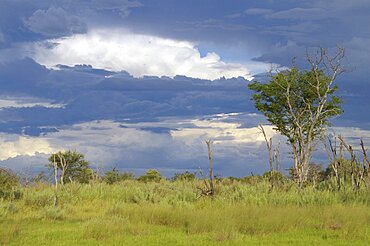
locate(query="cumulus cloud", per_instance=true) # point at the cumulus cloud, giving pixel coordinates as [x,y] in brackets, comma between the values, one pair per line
[167,144]
[14,145]
[138,54]
[55,22]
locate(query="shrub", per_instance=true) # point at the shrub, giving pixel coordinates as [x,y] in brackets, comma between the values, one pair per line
[9,181]
[151,175]
[114,176]
[184,176]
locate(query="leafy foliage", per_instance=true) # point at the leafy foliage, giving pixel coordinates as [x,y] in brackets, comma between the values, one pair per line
[114,176]
[151,175]
[9,181]
[293,96]
[184,176]
[77,167]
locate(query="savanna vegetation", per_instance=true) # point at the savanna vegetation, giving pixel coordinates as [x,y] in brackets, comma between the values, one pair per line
[309,204]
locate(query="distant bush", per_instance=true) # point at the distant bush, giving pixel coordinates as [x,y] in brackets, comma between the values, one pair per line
[9,182]
[184,176]
[151,175]
[114,176]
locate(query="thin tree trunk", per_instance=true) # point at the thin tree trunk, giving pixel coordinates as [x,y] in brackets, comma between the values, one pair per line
[56,183]
[209,142]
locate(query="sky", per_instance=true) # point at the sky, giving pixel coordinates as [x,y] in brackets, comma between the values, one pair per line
[142,84]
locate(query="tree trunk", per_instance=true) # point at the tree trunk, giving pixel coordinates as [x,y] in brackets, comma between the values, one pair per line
[56,183]
[208,142]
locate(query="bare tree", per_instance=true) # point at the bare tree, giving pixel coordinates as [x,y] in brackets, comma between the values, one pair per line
[63,164]
[335,160]
[209,143]
[56,182]
[366,165]
[358,171]
[277,157]
[269,148]
[208,189]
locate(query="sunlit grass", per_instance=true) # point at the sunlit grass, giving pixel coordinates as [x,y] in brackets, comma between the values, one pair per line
[168,213]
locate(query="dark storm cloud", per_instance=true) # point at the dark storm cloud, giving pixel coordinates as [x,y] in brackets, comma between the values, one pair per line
[92,94]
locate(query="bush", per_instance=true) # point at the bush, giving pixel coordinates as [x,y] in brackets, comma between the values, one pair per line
[114,176]
[184,176]
[151,175]
[9,181]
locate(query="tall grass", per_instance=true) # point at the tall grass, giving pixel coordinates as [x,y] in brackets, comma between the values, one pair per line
[239,213]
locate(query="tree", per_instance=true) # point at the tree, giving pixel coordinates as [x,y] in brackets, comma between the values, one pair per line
[151,175]
[72,165]
[8,179]
[184,176]
[299,104]
[114,176]
[8,182]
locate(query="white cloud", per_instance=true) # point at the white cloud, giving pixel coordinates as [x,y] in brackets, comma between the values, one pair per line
[26,102]
[138,144]
[55,22]
[221,132]
[14,145]
[122,6]
[137,54]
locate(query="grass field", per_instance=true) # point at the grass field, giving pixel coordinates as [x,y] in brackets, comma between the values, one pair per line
[168,213]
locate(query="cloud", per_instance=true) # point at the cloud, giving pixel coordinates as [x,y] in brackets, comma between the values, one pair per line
[169,144]
[26,102]
[2,37]
[137,54]
[14,145]
[258,11]
[300,14]
[122,6]
[55,22]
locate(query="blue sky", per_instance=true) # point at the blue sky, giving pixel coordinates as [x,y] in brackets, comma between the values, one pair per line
[142,84]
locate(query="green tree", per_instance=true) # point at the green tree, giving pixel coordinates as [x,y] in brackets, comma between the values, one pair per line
[151,175]
[72,165]
[299,104]
[184,176]
[9,181]
[114,176]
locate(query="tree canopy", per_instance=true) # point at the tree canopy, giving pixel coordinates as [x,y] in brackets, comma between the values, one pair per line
[299,103]
[73,166]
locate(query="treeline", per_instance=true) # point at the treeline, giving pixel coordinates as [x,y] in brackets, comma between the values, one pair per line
[71,167]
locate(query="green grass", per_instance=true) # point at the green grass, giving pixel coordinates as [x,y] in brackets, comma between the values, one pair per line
[168,213]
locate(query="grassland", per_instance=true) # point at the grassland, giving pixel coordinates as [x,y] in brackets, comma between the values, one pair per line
[168,213]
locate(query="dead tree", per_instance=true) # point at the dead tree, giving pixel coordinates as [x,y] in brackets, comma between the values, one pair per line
[277,157]
[209,142]
[357,171]
[269,148]
[334,159]
[63,165]
[56,182]
[208,189]
[366,165]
